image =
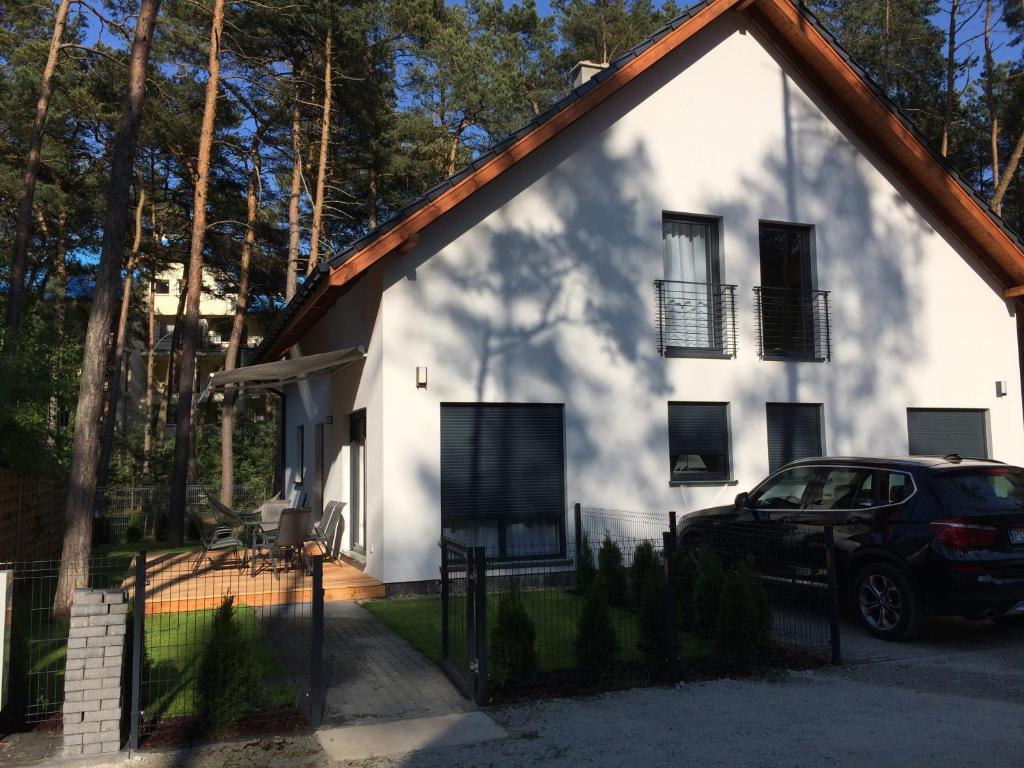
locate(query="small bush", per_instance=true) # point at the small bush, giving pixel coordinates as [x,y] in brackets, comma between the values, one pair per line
[192,532]
[100,531]
[645,566]
[133,533]
[160,529]
[744,632]
[611,572]
[653,628]
[597,646]
[706,594]
[513,659]
[684,571]
[229,675]
[584,566]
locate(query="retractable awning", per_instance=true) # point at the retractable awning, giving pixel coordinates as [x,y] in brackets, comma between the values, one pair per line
[278,374]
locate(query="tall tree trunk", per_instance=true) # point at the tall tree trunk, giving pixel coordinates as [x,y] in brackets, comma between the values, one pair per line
[117,359]
[990,98]
[227,422]
[291,275]
[190,337]
[321,174]
[23,225]
[59,280]
[74,564]
[950,100]
[147,429]
[1008,174]
[172,351]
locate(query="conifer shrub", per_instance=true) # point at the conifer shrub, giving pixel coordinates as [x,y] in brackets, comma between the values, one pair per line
[133,533]
[585,571]
[611,572]
[684,574]
[229,674]
[597,645]
[645,566]
[744,634]
[513,653]
[652,618]
[706,595]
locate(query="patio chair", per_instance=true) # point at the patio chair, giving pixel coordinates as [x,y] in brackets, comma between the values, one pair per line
[280,544]
[215,537]
[326,531]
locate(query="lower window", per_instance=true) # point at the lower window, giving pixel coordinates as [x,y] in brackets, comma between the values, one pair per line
[943,431]
[503,477]
[794,432]
[698,442]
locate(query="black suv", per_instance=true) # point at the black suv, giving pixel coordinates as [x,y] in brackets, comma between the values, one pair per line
[913,536]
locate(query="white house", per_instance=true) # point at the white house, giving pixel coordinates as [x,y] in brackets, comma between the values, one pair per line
[724,251]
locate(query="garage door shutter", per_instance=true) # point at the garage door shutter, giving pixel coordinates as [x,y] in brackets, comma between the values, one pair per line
[794,432]
[502,460]
[941,431]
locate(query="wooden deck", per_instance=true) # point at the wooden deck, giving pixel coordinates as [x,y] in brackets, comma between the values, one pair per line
[172,587]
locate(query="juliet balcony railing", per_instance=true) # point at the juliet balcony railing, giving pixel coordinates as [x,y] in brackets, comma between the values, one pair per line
[793,324]
[696,319]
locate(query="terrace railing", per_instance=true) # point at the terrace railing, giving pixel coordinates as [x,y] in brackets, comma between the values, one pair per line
[793,324]
[695,319]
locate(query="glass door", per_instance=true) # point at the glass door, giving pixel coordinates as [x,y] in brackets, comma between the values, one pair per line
[357,481]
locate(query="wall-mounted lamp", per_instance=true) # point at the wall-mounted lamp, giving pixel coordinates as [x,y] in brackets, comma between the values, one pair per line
[421,377]
[1000,389]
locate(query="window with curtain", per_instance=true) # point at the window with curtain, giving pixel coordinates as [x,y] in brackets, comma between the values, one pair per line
[698,439]
[690,290]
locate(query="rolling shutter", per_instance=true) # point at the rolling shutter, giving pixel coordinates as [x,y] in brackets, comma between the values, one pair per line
[505,460]
[698,433]
[794,432]
[941,431]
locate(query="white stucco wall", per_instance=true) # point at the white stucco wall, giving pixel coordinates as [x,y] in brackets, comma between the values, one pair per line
[540,289]
[355,320]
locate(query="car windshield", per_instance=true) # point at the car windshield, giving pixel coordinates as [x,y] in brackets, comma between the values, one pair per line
[985,490]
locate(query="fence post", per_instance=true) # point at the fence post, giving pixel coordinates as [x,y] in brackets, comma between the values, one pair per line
[470,661]
[480,597]
[577,514]
[672,528]
[316,646]
[445,638]
[833,594]
[138,630]
[672,644]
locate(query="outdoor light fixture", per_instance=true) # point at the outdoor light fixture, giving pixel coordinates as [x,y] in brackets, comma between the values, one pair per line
[1000,389]
[421,377]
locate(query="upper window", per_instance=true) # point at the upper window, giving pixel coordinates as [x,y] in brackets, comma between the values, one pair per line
[794,432]
[161,287]
[695,311]
[793,314]
[698,437]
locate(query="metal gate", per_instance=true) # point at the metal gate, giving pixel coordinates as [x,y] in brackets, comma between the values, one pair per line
[464,617]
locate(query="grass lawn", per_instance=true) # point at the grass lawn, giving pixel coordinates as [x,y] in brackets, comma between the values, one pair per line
[554,614]
[175,643]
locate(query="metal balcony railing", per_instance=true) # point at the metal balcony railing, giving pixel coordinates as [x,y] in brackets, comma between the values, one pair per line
[793,324]
[695,319]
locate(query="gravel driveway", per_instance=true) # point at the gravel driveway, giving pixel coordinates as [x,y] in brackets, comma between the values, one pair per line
[956,698]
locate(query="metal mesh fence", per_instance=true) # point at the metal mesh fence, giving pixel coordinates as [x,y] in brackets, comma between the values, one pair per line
[39,638]
[136,513]
[227,650]
[638,604]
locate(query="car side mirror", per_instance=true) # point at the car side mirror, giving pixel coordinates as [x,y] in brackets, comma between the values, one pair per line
[741,499]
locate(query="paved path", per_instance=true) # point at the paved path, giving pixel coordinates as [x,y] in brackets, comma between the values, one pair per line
[375,675]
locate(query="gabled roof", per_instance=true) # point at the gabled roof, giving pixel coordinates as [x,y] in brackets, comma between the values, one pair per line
[807,46]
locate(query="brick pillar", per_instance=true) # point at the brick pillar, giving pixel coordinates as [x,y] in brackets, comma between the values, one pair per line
[92,678]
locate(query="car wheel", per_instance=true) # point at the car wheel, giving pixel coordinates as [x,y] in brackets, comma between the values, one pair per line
[886,602]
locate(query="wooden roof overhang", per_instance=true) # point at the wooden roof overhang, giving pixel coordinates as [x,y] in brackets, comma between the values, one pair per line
[807,47]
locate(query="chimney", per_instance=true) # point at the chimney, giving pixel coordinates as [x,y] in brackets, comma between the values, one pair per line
[583,71]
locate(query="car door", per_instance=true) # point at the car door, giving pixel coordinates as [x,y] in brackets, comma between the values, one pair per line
[773,506]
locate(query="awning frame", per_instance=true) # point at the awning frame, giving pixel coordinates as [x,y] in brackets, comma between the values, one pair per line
[279,374]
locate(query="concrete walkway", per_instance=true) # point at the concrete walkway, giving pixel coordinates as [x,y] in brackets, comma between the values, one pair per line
[374,675]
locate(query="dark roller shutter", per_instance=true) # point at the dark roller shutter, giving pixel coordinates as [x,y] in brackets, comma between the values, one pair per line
[503,460]
[794,432]
[697,428]
[941,431]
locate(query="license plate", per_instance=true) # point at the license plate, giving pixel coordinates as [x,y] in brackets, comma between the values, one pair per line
[1017,535]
